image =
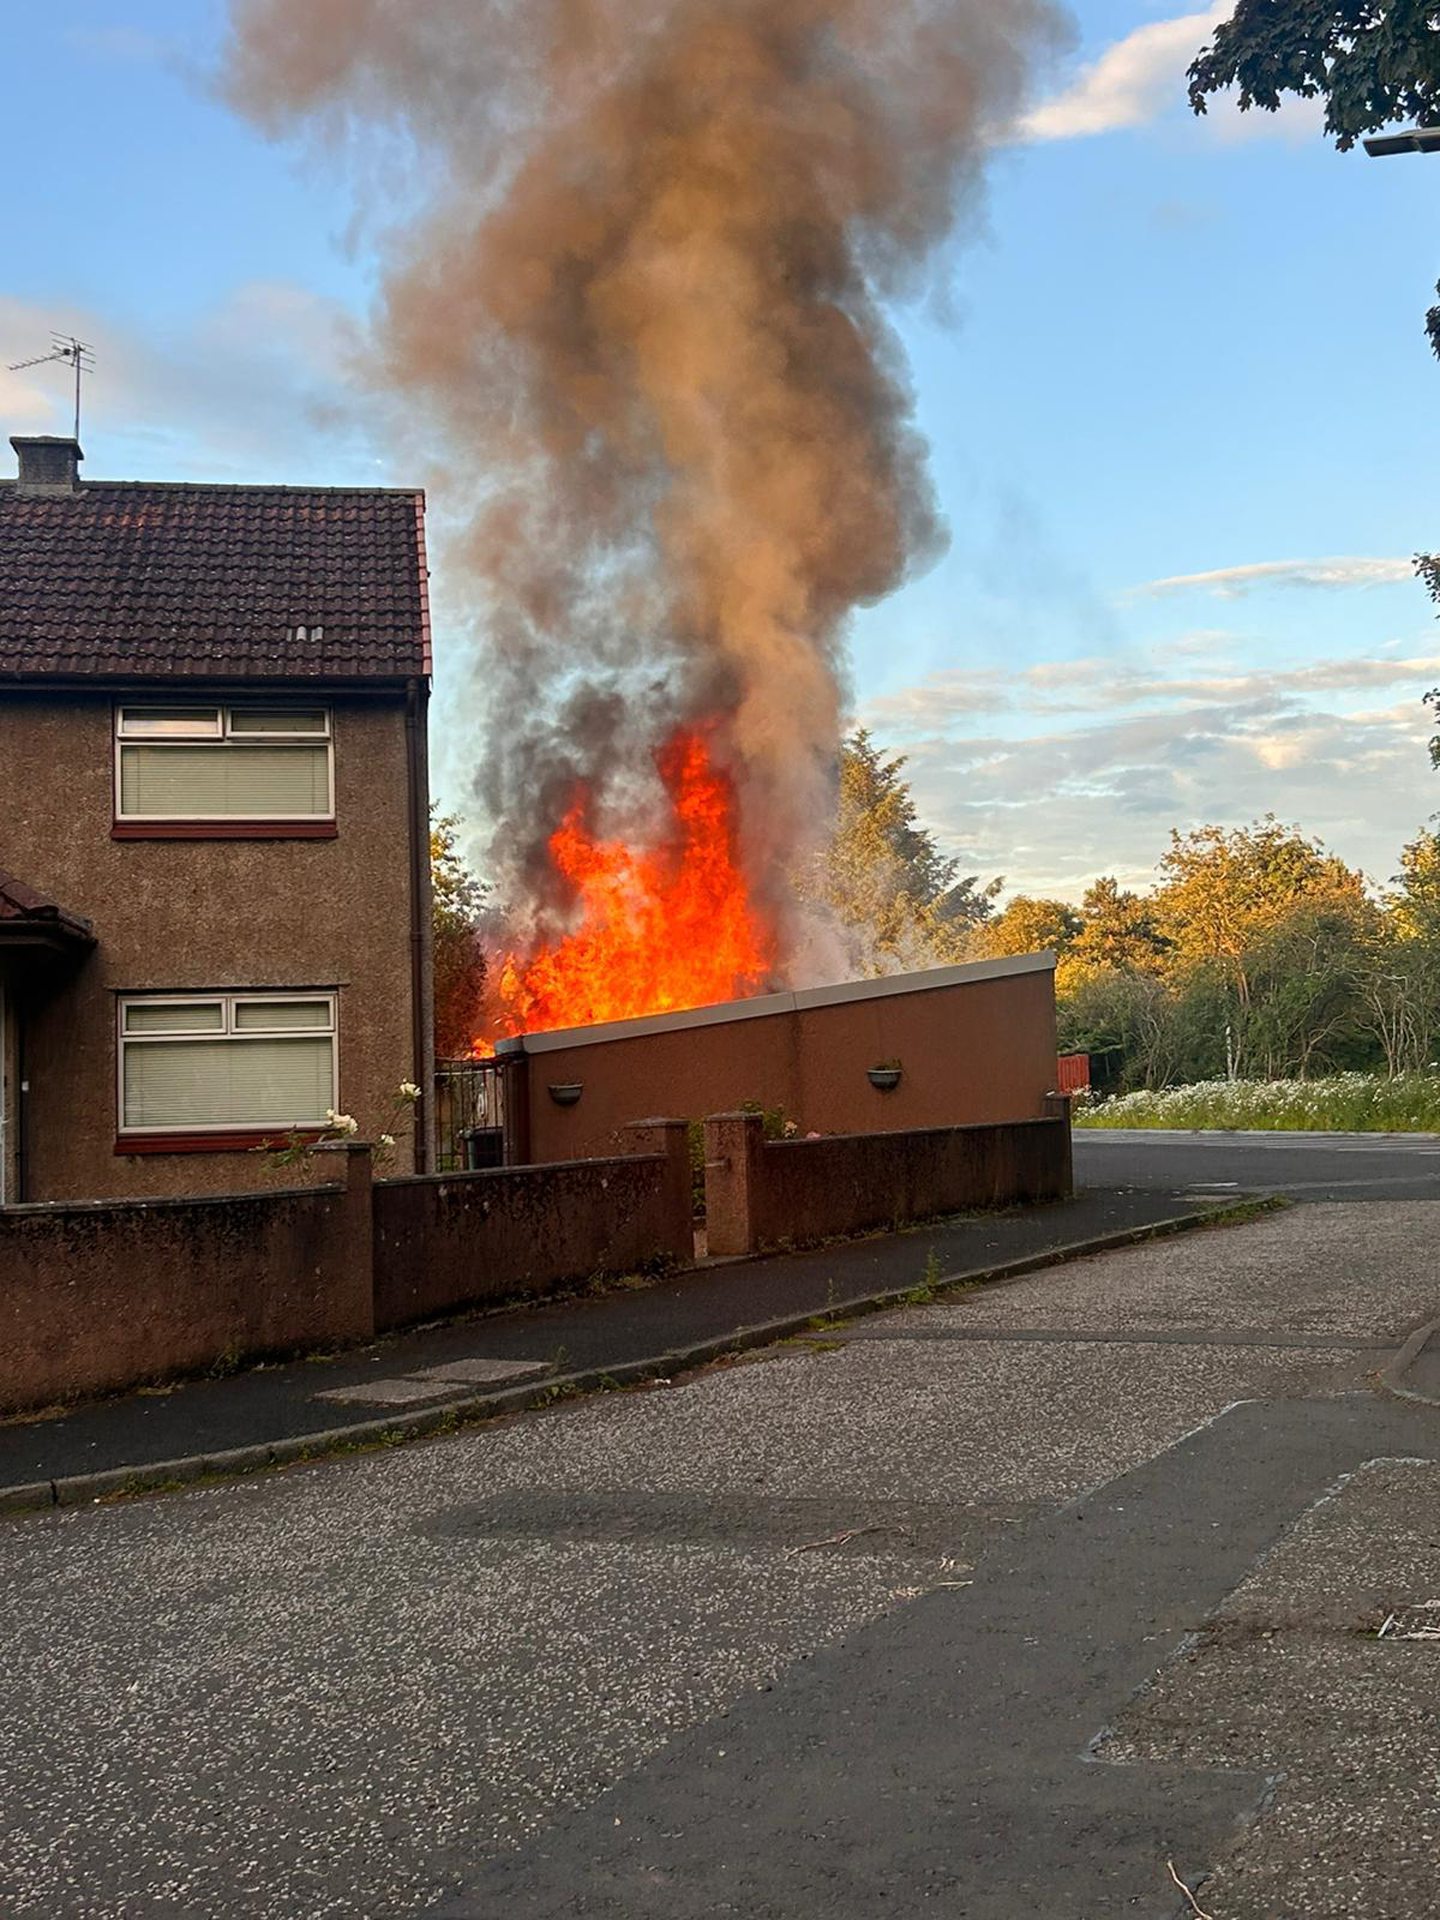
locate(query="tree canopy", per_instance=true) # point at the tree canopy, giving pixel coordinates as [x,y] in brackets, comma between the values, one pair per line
[882,876]
[1119,933]
[1221,891]
[1029,925]
[457,904]
[1373,62]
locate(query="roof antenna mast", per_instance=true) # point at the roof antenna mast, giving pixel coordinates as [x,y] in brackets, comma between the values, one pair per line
[65,348]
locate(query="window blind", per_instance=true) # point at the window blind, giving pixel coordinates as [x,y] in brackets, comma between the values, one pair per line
[261,1081]
[221,781]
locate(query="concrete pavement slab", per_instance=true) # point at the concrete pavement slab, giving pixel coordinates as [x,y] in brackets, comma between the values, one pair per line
[391,1393]
[479,1371]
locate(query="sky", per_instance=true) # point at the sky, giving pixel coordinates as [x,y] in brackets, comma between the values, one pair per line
[1176,387]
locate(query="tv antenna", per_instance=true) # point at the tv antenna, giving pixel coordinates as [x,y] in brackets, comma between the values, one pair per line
[71,352]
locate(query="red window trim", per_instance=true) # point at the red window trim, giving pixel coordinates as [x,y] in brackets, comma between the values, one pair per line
[245,1140]
[224,830]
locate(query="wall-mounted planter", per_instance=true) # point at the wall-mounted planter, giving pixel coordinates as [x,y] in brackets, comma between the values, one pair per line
[568,1093]
[884,1079]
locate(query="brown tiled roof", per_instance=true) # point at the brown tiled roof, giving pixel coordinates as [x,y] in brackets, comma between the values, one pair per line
[206,582]
[21,903]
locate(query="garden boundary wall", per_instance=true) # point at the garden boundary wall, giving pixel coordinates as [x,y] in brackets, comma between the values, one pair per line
[105,1297]
[761,1193]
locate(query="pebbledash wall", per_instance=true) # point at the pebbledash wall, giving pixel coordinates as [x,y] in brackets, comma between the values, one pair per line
[761,1193]
[202,915]
[99,1298]
[974,1044]
[95,1299]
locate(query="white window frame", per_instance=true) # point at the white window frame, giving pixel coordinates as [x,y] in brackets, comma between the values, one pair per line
[229,1029]
[226,739]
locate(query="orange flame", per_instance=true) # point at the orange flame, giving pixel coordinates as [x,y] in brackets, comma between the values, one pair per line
[662,929]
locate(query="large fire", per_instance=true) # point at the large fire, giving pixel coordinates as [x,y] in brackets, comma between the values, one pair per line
[661,929]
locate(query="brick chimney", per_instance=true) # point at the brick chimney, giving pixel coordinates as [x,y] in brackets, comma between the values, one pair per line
[49,462]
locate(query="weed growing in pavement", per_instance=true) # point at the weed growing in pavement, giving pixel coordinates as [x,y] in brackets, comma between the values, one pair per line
[930,1279]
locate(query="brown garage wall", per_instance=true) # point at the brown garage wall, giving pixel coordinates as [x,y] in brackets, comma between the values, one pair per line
[976,1044]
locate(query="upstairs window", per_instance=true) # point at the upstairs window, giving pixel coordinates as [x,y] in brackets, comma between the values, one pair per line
[215,763]
[226,1062]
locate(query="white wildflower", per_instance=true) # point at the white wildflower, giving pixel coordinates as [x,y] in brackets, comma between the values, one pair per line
[409,1090]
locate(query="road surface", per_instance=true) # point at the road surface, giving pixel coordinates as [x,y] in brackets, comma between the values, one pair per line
[989,1607]
[1308,1166]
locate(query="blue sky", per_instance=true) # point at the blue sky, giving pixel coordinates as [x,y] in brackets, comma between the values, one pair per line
[1180,422]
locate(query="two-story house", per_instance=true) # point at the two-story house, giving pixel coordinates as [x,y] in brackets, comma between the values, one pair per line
[214,875]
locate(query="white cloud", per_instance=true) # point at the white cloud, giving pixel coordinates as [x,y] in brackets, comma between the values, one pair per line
[1096,760]
[952,699]
[258,387]
[1132,83]
[1144,77]
[1229,583]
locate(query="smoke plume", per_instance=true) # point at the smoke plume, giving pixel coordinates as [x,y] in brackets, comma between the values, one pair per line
[642,307]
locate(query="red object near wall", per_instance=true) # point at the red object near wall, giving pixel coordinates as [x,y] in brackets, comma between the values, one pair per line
[1072,1073]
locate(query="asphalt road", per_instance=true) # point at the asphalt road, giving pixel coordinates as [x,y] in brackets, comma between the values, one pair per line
[1308,1166]
[989,1607]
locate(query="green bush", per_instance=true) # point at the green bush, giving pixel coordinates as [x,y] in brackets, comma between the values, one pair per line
[1339,1103]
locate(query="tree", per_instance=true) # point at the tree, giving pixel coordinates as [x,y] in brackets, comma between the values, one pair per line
[882,877]
[1119,933]
[1263,926]
[1373,62]
[1415,903]
[1222,889]
[1029,925]
[1129,1022]
[458,903]
[1306,971]
[1401,982]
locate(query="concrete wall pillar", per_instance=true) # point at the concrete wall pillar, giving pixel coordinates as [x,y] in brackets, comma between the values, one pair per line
[670,1139]
[349,1165]
[734,1171]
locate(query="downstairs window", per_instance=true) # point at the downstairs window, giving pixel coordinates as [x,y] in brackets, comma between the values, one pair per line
[222,1063]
